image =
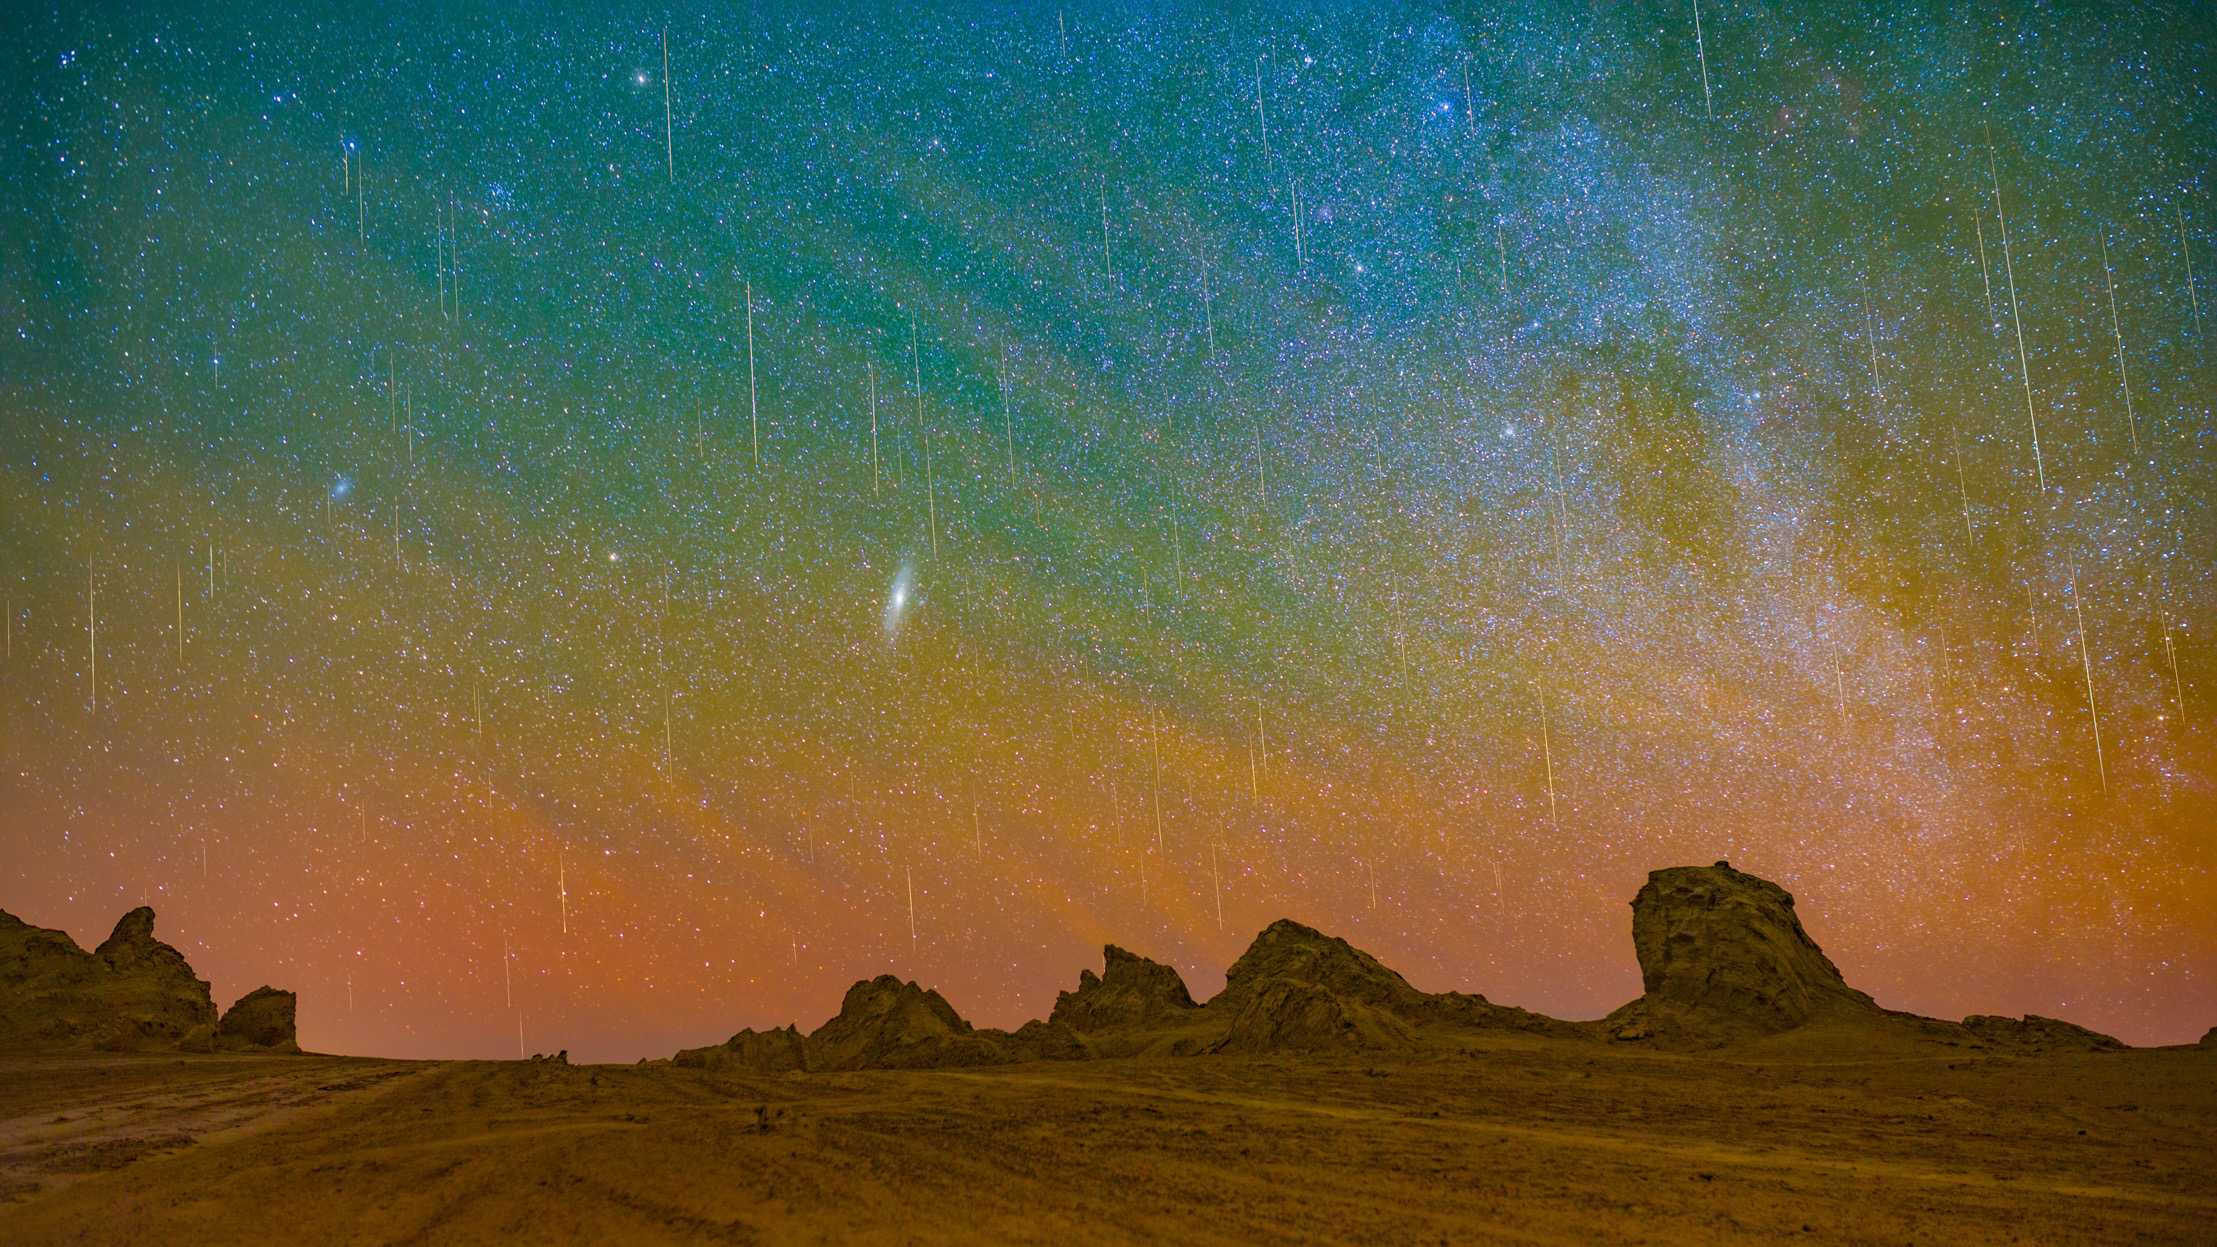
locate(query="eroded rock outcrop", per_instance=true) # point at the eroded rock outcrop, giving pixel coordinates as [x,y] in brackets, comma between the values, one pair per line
[890,1023]
[1296,988]
[1130,991]
[1723,956]
[131,992]
[262,1020]
[752,1052]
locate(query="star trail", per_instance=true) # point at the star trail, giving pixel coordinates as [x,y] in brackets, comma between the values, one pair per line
[593,530]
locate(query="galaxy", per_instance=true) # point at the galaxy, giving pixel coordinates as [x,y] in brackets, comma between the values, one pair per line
[594,528]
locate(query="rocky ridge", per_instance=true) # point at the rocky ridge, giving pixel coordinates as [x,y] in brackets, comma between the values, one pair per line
[132,993]
[1723,960]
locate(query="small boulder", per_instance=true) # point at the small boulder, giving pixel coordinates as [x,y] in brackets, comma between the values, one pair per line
[261,1019]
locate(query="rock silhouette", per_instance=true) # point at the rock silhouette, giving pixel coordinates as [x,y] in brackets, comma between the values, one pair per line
[1723,959]
[133,992]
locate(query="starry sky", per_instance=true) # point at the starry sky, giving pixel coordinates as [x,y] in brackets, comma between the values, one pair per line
[533,549]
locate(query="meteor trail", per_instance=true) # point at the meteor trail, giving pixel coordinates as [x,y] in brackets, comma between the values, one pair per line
[2016,317]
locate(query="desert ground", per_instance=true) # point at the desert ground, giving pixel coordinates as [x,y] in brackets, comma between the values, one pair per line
[1511,1139]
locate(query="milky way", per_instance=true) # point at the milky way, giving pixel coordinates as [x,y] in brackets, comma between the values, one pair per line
[530,550]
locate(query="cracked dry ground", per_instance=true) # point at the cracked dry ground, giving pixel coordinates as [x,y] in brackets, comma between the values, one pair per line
[1515,1141]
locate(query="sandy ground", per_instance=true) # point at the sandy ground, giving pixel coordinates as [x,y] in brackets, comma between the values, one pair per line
[1513,1142]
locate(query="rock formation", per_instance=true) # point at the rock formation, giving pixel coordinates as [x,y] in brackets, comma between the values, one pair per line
[1723,956]
[1723,959]
[1129,991]
[2038,1033]
[261,1019]
[888,1023]
[132,992]
[1296,988]
[752,1052]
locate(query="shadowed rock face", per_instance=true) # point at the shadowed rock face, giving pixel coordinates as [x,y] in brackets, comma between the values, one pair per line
[132,992]
[262,1018]
[1723,955]
[1129,991]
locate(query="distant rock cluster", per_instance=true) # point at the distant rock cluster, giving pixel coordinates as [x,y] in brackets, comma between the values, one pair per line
[1723,960]
[133,993]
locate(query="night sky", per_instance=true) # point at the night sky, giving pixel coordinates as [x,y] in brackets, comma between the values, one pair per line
[520,566]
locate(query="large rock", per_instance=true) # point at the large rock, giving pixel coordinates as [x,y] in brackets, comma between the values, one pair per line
[1296,988]
[132,992]
[261,1019]
[2209,1038]
[751,1052]
[1723,956]
[887,1023]
[2039,1034]
[1130,991]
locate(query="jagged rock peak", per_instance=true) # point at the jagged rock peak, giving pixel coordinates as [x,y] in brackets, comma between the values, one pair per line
[889,1023]
[1130,990]
[887,996]
[134,930]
